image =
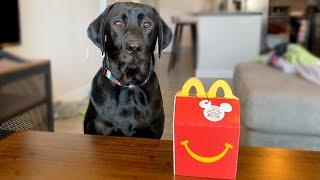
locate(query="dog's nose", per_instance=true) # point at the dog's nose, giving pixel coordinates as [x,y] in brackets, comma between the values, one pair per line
[133,47]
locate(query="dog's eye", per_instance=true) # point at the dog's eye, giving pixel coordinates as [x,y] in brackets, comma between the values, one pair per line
[118,23]
[147,25]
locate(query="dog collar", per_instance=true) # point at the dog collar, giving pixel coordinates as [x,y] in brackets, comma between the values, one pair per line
[108,75]
[115,81]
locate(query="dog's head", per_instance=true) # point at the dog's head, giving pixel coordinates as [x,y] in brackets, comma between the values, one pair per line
[127,33]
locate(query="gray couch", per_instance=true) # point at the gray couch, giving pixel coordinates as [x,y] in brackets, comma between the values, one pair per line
[277,109]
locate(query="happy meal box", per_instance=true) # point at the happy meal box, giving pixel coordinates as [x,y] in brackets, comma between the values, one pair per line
[206,131]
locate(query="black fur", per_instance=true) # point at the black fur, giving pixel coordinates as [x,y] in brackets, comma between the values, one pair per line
[128,47]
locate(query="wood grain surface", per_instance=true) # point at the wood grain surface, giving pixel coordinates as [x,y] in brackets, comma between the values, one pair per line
[41,155]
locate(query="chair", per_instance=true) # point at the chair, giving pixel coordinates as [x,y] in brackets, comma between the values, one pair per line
[181,22]
[25,96]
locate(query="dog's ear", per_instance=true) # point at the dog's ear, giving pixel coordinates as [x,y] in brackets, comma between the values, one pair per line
[96,30]
[164,33]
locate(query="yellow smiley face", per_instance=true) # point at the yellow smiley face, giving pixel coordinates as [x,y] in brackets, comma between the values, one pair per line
[202,159]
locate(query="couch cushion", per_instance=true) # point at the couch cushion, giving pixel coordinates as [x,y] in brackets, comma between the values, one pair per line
[275,102]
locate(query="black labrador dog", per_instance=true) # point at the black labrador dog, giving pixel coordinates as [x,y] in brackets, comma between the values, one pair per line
[125,97]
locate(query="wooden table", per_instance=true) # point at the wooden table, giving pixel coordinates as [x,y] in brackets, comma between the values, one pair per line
[66,156]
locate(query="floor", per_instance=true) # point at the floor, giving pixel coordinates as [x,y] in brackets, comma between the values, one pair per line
[170,83]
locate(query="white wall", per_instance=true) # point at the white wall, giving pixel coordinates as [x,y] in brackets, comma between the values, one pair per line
[56,30]
[169,8]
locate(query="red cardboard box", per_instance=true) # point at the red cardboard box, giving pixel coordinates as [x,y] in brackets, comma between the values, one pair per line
[206,132]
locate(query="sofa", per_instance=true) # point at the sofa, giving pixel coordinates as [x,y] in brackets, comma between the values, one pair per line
[277,109]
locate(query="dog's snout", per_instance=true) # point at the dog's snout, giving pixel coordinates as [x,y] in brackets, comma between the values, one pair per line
[133,47]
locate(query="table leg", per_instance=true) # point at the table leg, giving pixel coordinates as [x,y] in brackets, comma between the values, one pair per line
[195,44]
[174,52]
[48,86]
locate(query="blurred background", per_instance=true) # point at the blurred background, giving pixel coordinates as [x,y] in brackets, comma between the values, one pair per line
[266,49]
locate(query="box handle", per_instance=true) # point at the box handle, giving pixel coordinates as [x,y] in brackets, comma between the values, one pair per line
[226,89]
[201,93]
[193,82]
